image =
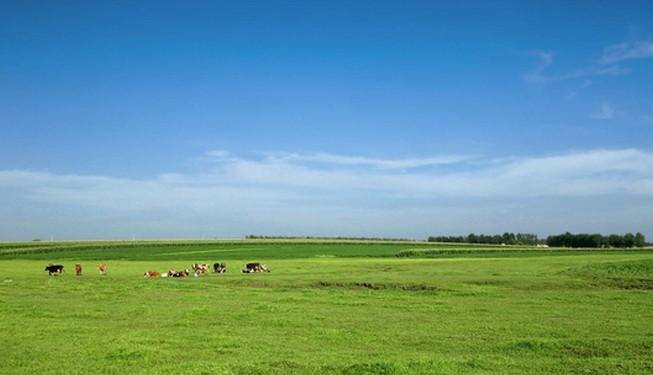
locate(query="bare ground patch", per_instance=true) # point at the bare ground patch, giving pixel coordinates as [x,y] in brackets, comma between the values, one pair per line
[376,286]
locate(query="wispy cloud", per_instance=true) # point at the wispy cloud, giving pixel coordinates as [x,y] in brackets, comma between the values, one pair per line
[605,112]
[608,64]
[335,160]
[540,74]
[627,51]
[377,163]
[537,75]
[335,195]
[627,171]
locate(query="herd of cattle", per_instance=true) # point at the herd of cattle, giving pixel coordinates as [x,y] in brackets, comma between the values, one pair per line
[197,269]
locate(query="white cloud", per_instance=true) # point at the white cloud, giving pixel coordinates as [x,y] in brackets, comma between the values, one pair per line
[592,71]
[605,112]
[606,65]
[627,51]
[349,195]
[276,178]
[537,75]
[378,163]
[540,73]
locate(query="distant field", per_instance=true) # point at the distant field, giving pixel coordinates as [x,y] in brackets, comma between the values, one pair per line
[327,307]
[170,250]
[269,249]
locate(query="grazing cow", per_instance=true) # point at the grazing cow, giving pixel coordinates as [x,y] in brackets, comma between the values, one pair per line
[165,274]
[152,274]
[184,273]
[255,267]
[219,267]
[200,268]
[78,269]
[54,269]
[102,267]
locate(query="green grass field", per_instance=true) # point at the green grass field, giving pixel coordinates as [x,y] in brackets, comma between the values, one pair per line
[326,308]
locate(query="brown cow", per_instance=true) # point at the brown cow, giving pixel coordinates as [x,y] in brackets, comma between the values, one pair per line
[152,274]
[102,267]
[78,269]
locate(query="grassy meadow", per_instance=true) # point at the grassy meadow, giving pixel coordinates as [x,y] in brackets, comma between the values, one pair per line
[327,307]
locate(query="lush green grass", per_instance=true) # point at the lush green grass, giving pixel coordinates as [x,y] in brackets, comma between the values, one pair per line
[327,308]
[203,250]
[269,249]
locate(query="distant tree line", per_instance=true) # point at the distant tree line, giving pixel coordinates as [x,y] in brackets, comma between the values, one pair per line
[259,237]
[559,240]
[497,239]
[596,240]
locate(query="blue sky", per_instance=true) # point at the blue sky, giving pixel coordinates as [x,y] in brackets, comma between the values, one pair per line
[164,119]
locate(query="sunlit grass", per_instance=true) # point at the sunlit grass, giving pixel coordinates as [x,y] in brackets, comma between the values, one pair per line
[322,310]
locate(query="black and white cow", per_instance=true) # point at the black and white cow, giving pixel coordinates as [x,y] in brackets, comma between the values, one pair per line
[200,268]
[54,269]
[184,273]
[219,267]
[255,267]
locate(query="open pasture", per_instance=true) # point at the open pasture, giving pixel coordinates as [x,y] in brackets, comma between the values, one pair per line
[326,307]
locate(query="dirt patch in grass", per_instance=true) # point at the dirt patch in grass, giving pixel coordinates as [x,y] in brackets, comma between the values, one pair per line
[376,286]
[490,282]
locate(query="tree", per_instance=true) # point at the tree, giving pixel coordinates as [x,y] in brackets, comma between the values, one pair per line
[629,240]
